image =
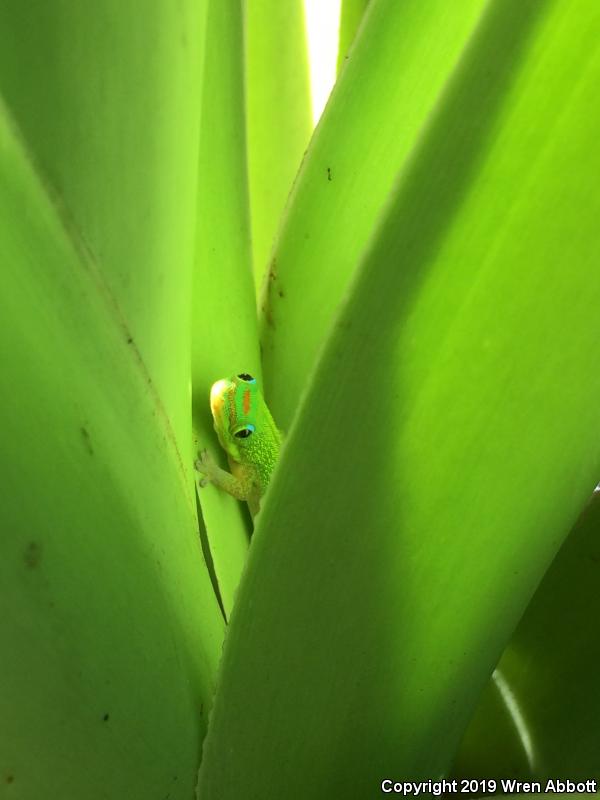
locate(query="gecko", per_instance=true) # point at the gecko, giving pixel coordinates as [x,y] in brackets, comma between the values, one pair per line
[249,436]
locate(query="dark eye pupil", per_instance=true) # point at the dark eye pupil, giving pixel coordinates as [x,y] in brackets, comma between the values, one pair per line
[244,433]
[245,377]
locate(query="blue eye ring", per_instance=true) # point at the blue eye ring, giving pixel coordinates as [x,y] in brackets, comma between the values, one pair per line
[245,432]
[244,376]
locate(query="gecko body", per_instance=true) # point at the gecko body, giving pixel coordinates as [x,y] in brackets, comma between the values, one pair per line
[249,436]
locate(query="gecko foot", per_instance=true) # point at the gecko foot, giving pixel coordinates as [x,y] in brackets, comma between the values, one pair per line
[203,464]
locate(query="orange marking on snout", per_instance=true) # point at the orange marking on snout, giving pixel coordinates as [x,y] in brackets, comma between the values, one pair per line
[246,401]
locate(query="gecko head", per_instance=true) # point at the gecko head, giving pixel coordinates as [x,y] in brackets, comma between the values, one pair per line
[234,403]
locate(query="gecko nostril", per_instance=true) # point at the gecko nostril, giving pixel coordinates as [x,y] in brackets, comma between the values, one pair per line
[244,376]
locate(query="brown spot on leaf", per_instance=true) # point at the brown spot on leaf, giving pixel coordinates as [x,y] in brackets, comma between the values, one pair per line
[32,555]
[267,304]
[273,270]
[87,440]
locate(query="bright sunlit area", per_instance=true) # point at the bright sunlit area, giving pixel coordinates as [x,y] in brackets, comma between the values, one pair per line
[322,25]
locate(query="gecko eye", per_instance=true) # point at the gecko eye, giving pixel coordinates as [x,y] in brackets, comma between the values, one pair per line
[245,377]
[244,433]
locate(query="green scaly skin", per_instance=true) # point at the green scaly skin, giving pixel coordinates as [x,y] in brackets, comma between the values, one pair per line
[248,435]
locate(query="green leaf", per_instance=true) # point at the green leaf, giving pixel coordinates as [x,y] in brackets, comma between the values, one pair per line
[547,680]
[106,97]
[446,442]
[225,338]
[387,93]
[110,626]
[278,113]
[351,16]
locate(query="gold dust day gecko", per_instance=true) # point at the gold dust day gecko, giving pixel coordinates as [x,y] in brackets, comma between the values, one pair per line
[248,435]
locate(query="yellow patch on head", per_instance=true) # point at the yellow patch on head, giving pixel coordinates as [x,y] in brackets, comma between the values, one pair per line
[217,394]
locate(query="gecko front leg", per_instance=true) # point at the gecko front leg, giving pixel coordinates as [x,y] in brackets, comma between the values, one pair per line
[240,485]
